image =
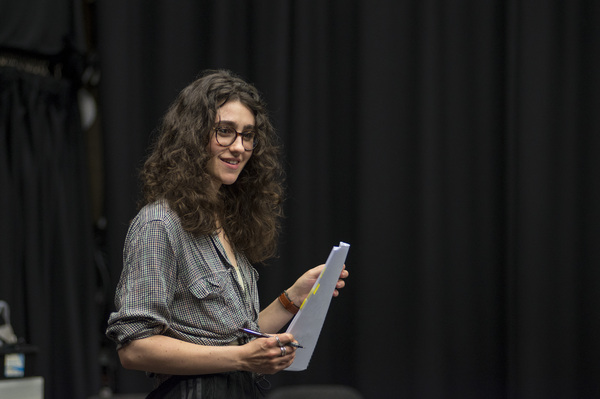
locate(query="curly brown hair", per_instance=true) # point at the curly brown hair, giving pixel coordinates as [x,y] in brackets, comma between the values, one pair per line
[249,210]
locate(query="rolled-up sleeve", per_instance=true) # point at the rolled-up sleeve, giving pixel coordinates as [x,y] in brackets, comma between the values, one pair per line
[147,284]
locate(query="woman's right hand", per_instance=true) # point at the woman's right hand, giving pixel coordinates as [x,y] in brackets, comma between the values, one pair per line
[265,356]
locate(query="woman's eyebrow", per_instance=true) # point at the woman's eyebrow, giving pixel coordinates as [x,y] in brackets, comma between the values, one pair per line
[233,124]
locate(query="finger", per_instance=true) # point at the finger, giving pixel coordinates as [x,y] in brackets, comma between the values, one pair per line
[318,269]
[285,338]
[287,362]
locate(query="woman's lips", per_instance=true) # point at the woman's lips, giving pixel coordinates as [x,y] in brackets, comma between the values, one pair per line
[232,163]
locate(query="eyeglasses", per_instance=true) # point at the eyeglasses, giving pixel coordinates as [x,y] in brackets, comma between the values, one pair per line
[226,136]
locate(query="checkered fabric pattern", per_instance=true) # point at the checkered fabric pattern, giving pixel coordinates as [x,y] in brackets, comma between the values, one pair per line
[179,285]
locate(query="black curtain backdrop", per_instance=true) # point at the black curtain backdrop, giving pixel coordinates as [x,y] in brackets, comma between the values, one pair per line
[453,144]
[48,271]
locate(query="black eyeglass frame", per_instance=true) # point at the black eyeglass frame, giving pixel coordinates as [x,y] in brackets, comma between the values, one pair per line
[243,134]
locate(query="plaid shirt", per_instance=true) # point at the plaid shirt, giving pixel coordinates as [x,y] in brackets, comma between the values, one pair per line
[181,286]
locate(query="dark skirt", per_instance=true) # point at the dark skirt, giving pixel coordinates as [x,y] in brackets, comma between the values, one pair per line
[233,385]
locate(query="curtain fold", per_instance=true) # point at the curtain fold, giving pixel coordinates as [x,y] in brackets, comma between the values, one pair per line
[552,183]
[48,273]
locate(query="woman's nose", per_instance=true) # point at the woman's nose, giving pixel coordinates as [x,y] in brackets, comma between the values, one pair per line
[237,145]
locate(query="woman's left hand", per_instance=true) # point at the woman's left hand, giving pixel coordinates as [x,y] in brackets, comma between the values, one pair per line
[301,288]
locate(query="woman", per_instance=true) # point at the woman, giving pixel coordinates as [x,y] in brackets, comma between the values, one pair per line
[212,203]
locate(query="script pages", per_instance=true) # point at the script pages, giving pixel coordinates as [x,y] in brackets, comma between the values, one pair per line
[308,322]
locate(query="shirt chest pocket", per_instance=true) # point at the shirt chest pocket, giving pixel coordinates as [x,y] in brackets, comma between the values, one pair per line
[210,287]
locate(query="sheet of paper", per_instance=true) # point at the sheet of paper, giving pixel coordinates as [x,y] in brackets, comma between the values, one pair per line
[309,320]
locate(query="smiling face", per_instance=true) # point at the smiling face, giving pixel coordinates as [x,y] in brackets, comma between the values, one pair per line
[227,163]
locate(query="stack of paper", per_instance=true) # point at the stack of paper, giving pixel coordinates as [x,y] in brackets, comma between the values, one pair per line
[308,322]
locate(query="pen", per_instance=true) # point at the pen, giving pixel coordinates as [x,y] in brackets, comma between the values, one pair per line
[263,335]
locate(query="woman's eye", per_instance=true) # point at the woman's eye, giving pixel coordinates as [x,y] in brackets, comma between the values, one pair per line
[224,131]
